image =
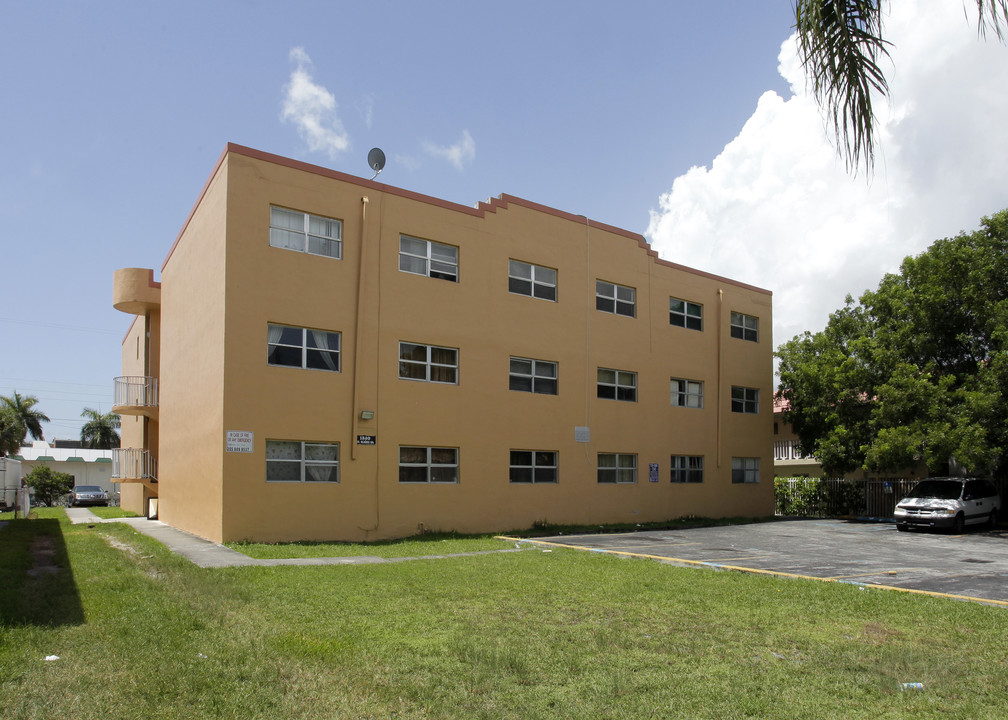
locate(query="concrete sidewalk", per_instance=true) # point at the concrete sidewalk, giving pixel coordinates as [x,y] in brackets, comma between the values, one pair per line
[202,552]
[207,554]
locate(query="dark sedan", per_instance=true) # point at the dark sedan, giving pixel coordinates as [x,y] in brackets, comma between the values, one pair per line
[89,495]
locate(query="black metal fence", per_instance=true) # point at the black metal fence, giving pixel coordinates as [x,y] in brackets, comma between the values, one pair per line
[838,497]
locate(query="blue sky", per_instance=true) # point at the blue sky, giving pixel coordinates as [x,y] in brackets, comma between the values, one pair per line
[683,121]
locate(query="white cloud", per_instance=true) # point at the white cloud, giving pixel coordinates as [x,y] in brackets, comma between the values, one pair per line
[312,109]
[460,154]
[366,109]
[777,208]
[409,162]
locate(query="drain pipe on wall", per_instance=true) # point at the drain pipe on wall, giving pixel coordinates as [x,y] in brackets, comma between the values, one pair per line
[358,330]
[359,355]
[720,390]
[588,319]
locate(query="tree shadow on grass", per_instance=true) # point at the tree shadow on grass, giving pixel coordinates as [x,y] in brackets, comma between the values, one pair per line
[37,585]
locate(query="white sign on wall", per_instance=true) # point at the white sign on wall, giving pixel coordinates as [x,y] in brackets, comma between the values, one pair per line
[239,441]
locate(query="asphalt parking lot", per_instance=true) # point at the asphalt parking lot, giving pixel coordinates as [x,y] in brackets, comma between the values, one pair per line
[973,565]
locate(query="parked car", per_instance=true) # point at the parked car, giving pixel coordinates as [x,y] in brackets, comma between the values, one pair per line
[88,495]
[949,502]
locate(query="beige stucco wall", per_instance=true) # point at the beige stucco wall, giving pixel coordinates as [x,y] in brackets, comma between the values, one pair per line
[480,415]
[223,284]
[192,369]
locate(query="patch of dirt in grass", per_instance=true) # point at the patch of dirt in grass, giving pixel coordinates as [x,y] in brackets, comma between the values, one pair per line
[43,551]
[120,545]
[132,552]
[880,634]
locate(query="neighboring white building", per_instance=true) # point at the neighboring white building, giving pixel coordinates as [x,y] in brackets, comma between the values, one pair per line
[88,467]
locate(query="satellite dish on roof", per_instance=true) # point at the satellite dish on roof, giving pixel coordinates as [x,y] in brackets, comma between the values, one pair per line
[376,161]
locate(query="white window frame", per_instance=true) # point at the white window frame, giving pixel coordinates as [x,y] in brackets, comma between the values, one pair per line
[744,470]
[615,299]
[333,239]
[541,462]
[745,400]
[623,470]
[690,316]
[544,379]
[744,327]
[309,344]
[427,363]
[624,383]
[433,267]
[303,462]
[432,470]
[541,281]
[686,393]
[687,468]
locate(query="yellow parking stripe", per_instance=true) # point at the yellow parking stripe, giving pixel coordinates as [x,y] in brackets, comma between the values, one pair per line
[870,574]
[756,571]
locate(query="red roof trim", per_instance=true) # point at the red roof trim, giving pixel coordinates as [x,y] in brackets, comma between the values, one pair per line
[479,211]
[189,217]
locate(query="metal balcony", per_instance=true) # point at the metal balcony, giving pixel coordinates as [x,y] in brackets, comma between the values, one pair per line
[136,395]
[133,465]
[787,450]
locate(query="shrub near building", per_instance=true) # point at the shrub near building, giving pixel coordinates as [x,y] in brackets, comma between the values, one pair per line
[48,485]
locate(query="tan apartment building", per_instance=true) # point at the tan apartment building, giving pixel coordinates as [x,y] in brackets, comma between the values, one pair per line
[328,357]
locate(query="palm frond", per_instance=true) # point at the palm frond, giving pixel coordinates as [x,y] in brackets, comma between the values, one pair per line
[993,14]
[23,408]
[100,429]
[840,45]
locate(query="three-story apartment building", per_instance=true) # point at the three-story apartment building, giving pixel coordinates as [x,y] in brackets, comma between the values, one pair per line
[328,357]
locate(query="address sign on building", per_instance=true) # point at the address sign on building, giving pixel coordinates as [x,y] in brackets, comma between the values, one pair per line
[239,441]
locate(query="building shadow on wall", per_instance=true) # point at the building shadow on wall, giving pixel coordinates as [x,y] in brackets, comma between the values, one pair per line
[37,585]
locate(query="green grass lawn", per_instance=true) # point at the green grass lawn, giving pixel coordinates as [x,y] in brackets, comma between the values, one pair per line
[562,634]
[448,543]
[420,546]
[112,512]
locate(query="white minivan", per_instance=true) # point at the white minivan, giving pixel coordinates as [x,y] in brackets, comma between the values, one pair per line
[949,502]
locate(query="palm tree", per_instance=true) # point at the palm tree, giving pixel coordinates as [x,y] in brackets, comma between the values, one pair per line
[840,44]
[27,419]
[100,430]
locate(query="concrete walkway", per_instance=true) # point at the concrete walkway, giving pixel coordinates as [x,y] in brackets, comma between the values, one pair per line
[200,551]
[207,554]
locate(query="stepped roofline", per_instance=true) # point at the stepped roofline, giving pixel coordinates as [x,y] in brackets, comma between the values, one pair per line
[502,202]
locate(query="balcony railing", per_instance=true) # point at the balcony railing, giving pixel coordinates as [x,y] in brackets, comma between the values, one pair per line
[788,450]
[135,394]
[133,464]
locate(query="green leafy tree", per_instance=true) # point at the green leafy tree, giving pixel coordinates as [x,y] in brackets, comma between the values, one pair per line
[49,485]
[10,433]
[917,370]
[100,430]
[27,419]
[841,44]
